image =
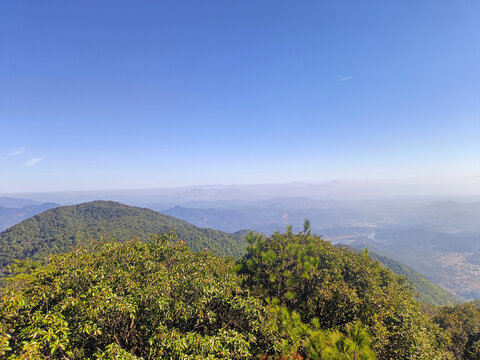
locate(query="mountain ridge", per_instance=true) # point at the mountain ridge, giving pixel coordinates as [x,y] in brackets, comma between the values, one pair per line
[63,228]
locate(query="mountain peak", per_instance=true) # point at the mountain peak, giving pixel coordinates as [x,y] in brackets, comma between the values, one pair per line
[63,228]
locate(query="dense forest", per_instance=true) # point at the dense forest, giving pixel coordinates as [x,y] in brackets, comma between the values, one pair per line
[64,228]
[208,294]
[291,296]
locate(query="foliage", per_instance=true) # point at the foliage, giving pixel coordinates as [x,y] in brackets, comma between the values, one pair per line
[462,322]
[336,286]
[297,339]
[62,229]
[292,296]
[130,300]
[353,344]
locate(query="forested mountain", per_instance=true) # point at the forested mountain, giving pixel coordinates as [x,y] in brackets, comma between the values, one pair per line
[426,290]
[438,239]
[62,229]
[297,297]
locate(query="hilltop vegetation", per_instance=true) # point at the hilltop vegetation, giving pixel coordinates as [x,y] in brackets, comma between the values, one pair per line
[462,323]
[129,301]
[62,229]
[296,296]
[332,287]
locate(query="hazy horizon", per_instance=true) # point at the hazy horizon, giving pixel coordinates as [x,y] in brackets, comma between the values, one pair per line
[414,189]
[167,94]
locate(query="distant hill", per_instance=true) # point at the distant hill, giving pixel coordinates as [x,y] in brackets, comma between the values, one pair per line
[62,229]
[11,215]
[222,219]
[11,202]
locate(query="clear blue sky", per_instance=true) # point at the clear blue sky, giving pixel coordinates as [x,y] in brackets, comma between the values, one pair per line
[132,94]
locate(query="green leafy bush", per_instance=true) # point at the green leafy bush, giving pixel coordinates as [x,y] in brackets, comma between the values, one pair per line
[64,228]
[128,301]
[462,322]
[292,296]
[338,287]
[297,339]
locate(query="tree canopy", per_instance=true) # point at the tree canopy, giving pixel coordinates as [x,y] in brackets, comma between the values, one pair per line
[64,228]
[291,296]
[462,322]
[334,287]
[156,300]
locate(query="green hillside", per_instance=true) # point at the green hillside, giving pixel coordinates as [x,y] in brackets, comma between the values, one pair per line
[291,296]
[287,296]
[62,229]
[426,290]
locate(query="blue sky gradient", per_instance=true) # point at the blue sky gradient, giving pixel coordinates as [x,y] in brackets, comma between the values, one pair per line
[133,94]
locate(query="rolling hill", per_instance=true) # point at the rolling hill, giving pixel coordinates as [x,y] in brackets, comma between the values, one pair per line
[62,229]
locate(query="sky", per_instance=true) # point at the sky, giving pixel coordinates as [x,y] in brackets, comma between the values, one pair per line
[142,94]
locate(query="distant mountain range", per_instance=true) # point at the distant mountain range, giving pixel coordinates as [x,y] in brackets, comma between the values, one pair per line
[467,189]
[438,239]
[13,211]
[63,228]
[11,202]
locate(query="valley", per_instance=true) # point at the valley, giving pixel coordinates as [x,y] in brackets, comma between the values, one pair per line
[438,238]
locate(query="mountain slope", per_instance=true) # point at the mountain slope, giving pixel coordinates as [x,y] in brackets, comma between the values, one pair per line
[427,291]
[61,229]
